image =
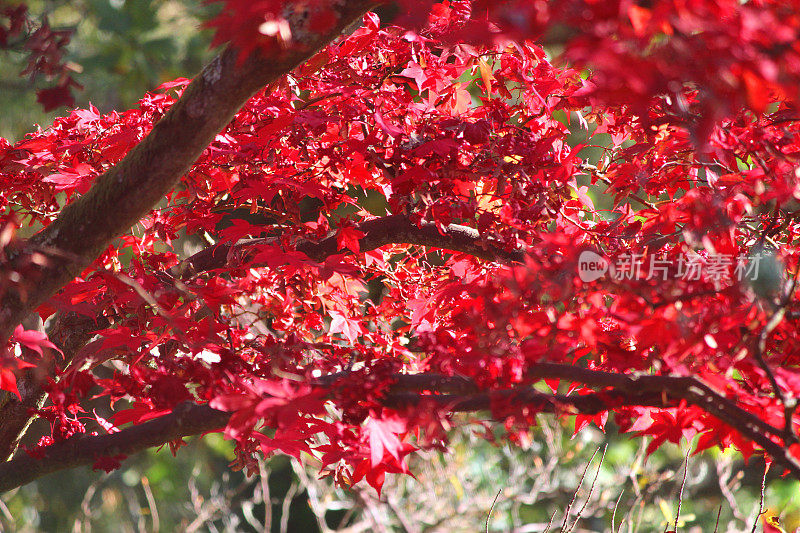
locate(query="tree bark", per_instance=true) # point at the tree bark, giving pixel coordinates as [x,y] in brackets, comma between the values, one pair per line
[392,229]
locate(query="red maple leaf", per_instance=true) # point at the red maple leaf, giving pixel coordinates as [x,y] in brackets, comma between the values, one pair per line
[383,437]
[348,238]
[349,327]
[35,340]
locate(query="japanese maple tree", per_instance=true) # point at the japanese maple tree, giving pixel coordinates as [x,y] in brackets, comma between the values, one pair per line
[331,242]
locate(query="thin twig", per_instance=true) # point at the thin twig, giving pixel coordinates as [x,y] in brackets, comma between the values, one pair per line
[724,471]
[761,498]
[591,488]
[263,475]
[578,488]
[683,484]
[287,504]
[151,504]
[550,522]
[6,512]
[614,512]
[489,514]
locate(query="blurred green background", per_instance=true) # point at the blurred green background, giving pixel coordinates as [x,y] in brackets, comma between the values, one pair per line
[123,48]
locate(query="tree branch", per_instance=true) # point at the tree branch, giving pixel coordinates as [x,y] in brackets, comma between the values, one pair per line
[187,419]
[391,229]
[452,393]
[690,389]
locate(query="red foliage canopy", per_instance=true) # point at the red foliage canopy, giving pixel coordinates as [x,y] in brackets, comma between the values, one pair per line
[415,221]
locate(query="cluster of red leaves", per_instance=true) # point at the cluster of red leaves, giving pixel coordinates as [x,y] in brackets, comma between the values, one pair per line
[45,48]
[737,54]
[304,351]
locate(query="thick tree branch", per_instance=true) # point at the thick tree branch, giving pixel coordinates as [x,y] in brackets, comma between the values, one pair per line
[187,419]
[392,229]
[121,196]
[453,393]
[690,389]
[538,402]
